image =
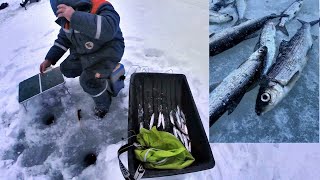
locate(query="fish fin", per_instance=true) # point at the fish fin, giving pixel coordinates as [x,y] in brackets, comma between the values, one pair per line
[294,78]
[211,35]
[312,23]
[256,47]
[283,29]
[302,21]
[235,104]
[213,86]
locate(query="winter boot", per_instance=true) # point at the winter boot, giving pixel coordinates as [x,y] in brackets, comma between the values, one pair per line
[23,4]
[101,113]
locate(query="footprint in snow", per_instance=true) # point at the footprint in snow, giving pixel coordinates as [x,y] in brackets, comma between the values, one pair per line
[151,52]
[132,38]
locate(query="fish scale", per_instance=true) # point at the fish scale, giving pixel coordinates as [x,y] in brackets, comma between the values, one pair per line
[291,59]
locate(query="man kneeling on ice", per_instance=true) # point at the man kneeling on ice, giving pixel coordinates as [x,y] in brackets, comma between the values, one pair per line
[90,29]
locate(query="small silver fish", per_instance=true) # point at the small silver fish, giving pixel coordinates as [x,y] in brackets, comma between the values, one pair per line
[162,121]
[219,18]
[171,117]
[159,120]
[175,132]
[151,121]
[268,39]
[189,146]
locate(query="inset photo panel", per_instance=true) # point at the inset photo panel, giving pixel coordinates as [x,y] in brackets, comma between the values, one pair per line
[264,71]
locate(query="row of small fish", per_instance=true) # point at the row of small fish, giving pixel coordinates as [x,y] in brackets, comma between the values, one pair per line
[179,125]
[276,78]
[180,130]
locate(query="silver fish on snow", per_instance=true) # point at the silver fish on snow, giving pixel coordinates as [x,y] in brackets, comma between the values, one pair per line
[287,69]
[219,18]
[232,36]
[151,121]
[291,11]
[228,94]
[220,4]
[268,39]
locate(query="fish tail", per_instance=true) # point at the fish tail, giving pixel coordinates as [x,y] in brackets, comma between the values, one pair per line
[283,29]
[312,23]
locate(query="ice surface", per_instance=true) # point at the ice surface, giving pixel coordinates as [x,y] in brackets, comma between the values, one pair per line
[296,118]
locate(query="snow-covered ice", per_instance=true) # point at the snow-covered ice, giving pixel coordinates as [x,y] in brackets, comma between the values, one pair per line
[296,117]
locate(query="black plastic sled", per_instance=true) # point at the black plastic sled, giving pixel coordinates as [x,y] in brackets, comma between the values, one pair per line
[154,92]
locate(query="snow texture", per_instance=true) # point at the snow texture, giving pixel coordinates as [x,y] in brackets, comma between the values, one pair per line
[296,117]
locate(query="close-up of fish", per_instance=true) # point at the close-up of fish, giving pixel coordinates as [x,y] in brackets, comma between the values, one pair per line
[286,71]
[218,18]
[220,4]
[281,103]
[228,94]
[232,36]
[268,39]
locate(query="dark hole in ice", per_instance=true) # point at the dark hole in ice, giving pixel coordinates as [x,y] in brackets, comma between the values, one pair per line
[90,159]
[49,119]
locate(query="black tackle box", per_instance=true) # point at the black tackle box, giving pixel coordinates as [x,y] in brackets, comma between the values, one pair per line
[151,92]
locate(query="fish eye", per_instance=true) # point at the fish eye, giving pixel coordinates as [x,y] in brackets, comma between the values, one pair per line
[265,97]
[261,50]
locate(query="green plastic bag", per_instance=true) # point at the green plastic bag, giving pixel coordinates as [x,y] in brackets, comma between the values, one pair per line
[161,150]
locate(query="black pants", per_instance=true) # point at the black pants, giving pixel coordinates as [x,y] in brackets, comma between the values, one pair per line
[96,87]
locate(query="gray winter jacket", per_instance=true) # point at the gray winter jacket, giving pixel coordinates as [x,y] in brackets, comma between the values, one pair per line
[92,38]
